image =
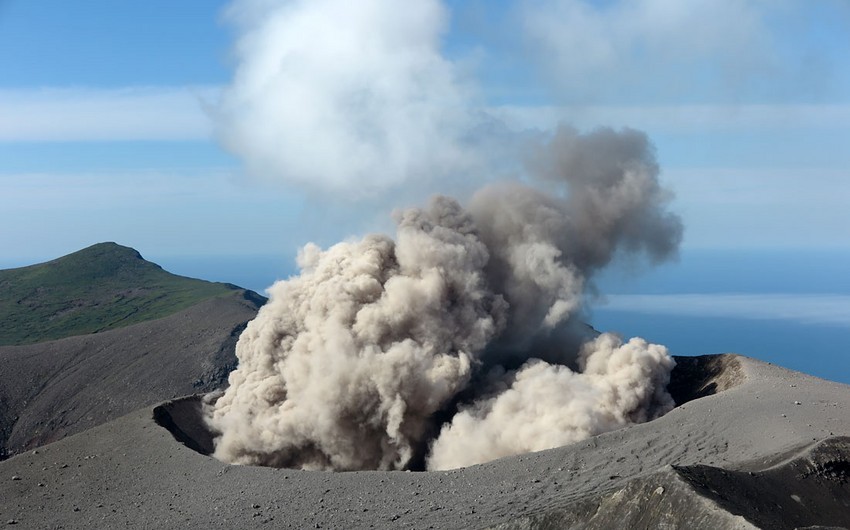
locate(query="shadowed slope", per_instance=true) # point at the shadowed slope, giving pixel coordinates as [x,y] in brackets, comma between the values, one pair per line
[184,419]
[52,389]
[704,375]
[102,287]
[810,490]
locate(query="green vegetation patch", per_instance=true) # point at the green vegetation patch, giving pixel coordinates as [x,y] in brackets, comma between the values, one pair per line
[102,287]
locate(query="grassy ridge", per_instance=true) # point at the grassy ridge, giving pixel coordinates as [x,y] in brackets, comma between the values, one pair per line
[101,287]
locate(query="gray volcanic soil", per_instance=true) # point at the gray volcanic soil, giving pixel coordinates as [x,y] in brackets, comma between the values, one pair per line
[753,454]
[53,389]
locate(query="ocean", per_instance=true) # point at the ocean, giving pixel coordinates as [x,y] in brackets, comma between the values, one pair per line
[788,307]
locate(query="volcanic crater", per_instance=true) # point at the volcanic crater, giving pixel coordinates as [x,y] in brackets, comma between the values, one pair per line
[692,378]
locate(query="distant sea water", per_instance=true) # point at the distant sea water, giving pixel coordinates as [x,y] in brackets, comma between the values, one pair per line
[788,307]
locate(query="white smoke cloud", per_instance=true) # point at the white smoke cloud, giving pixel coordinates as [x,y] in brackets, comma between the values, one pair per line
[105,115]
[638,50]
[549,405]
[345,96]
[355,363]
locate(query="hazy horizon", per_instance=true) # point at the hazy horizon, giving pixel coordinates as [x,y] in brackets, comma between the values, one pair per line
[796,315]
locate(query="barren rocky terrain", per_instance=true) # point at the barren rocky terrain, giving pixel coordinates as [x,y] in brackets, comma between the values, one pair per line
[762,447]
[97,435]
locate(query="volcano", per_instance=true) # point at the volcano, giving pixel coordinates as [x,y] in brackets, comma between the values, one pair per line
[749,445]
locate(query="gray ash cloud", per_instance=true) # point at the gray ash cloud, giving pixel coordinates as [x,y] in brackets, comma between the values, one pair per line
[459,341]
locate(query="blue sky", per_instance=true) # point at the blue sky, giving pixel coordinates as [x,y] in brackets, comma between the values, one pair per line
[218,137]
[107,128]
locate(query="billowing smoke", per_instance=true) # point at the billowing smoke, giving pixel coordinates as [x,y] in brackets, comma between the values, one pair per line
[460,341]
[341,95]
[544,405]
[347,363]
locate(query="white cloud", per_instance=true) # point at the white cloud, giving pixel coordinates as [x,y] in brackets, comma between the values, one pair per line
[682,119]
[658,50]
[353,96]
[179,113]
[805,308]
[88,114]
[34,192]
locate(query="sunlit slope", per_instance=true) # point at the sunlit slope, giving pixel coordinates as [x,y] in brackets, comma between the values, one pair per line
[102,287]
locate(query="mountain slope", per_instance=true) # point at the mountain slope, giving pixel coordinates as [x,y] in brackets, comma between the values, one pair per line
[151,336]
[102,287]
[53,389]
[808,490]
[667,473]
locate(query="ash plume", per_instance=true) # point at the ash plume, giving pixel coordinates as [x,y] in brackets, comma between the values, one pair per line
[459,341]
[550,405]
[344,366]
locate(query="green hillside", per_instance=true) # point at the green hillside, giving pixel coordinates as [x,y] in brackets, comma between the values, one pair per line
[101,287]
